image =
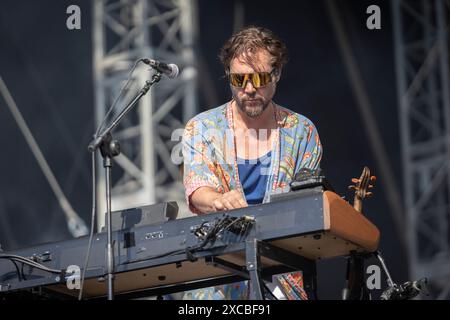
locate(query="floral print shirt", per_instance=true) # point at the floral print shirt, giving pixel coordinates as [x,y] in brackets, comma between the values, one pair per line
[209,151]
[210,159]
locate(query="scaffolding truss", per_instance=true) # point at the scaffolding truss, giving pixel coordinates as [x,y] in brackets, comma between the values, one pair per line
[421,37]
[123,32]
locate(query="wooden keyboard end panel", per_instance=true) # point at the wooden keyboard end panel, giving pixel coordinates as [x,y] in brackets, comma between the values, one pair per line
[343,221]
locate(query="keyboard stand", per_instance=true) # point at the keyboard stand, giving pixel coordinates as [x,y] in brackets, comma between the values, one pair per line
[255,250]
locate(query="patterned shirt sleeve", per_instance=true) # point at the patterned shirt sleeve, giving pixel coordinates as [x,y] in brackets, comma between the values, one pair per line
[311,148]
[198,161]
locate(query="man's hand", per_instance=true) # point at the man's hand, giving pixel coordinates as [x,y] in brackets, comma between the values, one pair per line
[229,200]
[206,199]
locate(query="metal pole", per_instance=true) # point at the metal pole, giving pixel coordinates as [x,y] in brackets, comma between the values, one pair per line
[110,252]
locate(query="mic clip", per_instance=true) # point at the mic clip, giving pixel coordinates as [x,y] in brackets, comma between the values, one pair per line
[406,291]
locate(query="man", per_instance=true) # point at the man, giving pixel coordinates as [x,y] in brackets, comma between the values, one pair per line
[237,154]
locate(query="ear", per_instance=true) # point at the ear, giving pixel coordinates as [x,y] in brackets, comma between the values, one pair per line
[277,74]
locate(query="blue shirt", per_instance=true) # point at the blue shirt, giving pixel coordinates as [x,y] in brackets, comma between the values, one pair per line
[253,175]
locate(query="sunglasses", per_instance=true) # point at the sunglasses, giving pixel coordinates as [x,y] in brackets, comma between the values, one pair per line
[258,79]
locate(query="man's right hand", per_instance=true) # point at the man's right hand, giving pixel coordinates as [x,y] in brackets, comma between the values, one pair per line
[206,199]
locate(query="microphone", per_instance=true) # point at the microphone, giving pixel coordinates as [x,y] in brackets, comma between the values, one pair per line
[170,70]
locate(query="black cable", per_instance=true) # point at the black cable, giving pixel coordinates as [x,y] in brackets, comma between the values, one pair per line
[91,235]
[34,264]
[17,269]
[29,262]
[234,222]
[218,227]
[244,230]
[180,251]
[21,271]
[20,276]
[212,234]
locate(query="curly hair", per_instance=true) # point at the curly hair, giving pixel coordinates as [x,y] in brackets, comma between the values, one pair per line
[249,41]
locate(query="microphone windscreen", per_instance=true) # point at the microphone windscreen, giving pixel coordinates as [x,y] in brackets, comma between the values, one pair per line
[174,72]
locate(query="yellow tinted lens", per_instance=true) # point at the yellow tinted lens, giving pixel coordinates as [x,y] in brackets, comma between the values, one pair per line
[239,79]
[261,79]
[236,79]
[265,78]
[256,80]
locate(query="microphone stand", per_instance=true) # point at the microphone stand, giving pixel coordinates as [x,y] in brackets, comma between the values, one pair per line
[109,149]
[406,291]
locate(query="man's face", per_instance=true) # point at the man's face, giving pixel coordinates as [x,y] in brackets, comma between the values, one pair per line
[253,101]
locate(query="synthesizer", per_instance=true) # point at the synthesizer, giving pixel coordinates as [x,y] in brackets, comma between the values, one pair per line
[175,255]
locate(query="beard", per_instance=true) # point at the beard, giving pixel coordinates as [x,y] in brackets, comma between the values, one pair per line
[252,107]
